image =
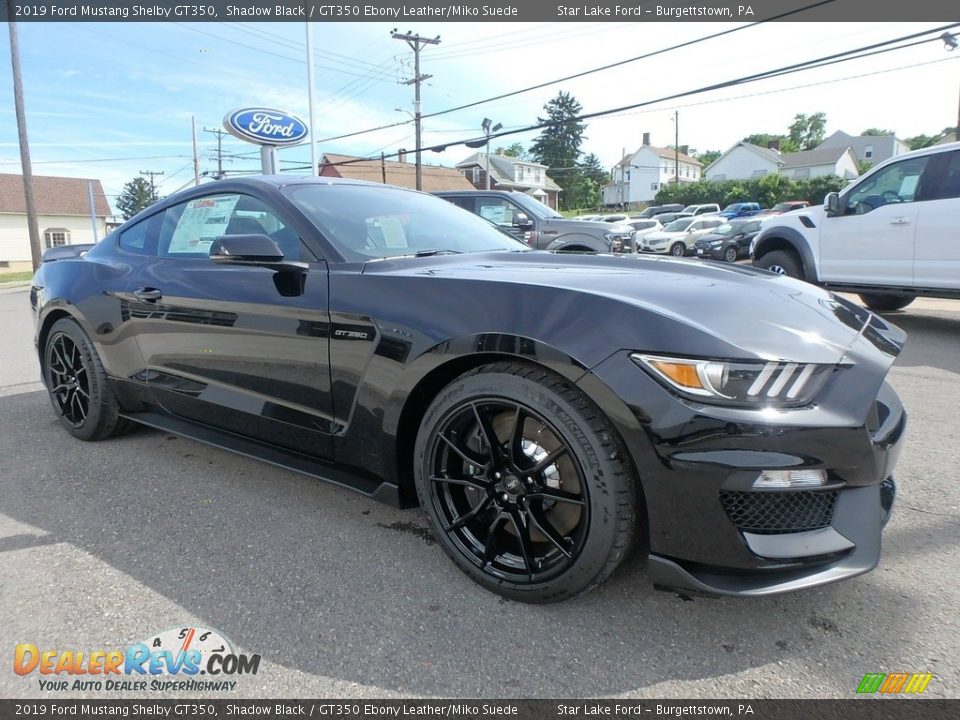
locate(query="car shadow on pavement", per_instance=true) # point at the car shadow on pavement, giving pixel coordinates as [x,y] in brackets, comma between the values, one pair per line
[334,585]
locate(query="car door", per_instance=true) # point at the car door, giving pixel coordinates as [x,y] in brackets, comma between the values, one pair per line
[503,213]
[872,241]
[937,240]
[244,349]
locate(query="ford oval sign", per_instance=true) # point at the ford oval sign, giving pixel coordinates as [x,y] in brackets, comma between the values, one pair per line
[264,126]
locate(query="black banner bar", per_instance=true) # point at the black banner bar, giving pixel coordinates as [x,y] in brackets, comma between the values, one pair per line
[893,708]
[476,11]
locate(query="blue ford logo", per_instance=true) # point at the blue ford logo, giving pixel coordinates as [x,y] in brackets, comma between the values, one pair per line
[265,126]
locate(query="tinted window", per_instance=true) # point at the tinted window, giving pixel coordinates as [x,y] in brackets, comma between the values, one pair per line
[189,229]
[137,239]
[374,221]
[896,183]
[949,187]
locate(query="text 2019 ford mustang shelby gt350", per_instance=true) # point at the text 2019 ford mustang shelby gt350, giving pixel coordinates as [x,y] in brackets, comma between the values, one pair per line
[548,412]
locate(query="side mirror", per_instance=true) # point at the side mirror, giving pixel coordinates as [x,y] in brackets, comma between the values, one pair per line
[253,251]
[522,221]
[831,204]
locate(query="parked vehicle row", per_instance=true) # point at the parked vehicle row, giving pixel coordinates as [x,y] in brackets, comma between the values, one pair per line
[679,237]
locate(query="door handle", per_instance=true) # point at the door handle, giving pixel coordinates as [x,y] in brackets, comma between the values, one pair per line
[900,221]
[147,294]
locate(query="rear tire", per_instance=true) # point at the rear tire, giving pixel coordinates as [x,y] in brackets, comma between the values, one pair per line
[885,303]
[782,262]
[546,510]
[78,386]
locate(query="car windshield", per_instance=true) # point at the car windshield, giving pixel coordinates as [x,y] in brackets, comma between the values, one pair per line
[690,208]
[782,207]
[535,208]
[728,229]
[732,208]
[678,225]
[368,221]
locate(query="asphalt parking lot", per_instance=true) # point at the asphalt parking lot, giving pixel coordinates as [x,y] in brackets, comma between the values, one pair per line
[104,544]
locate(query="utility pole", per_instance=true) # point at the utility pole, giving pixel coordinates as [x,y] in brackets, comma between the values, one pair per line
[676,147]
[196,155]
[219,133]
[153,188]
[32,229]
[416,43]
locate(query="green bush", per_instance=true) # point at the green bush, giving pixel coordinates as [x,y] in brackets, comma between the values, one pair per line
[767,190]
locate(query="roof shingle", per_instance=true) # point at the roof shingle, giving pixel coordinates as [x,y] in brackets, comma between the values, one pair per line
[52,196]
[402,174]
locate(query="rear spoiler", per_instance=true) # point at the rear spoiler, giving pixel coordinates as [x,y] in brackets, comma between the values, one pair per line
[66,252]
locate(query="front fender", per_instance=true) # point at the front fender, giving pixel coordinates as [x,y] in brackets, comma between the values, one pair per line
[779,235]
[574,240]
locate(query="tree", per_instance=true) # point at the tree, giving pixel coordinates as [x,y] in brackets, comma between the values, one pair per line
[516,150]
[708,157]
[876,132]
[921,141]
[135,196]
[558,145]
[808,131]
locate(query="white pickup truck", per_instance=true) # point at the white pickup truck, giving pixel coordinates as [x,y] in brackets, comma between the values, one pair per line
[891,236]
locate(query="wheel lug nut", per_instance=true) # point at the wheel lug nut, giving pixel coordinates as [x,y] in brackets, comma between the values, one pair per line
[504,497]
[496,475]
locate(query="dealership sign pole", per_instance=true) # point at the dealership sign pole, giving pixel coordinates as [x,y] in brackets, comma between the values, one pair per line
[267,128]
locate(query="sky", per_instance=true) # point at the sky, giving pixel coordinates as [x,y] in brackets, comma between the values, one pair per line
[111,100]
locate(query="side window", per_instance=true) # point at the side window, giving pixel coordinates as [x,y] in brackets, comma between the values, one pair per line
[136,238]
[467,203]
[949,186]
[497,210]
[896,183]
[189,229]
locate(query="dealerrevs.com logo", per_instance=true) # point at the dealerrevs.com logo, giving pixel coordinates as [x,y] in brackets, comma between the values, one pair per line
[170,660]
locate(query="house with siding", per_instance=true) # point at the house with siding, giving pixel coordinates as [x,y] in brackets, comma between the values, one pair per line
[510,173]
[838,161]
[867,148]
[744,161]
[638,176]
[64,216]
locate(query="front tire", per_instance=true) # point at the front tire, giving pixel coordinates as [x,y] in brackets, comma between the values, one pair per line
[678,249]
[782,262]
[77,384]
[885,303]
[730,254]
[526,484]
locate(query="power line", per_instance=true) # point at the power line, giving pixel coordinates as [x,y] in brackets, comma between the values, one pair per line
[846,56]
[583,73]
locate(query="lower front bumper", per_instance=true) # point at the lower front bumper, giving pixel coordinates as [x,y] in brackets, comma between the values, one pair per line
[850,547]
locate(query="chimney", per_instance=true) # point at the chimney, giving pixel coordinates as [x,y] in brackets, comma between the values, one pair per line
[646,138]
[774,145]
[402,155]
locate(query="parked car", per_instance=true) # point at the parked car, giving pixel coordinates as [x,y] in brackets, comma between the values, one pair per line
[706,209]
[655,210]
[679,237]
[549,413]
[740,209]
[890,236]
[641,228]
[785,207]
[540,226]
[729,241]
[669,217]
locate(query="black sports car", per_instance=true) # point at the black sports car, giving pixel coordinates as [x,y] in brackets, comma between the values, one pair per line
[549,413]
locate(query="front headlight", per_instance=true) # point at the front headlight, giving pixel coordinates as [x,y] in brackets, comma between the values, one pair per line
[779,384]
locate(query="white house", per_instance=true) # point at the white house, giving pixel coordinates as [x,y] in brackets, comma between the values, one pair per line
[744,161]
[820,161]
[867,148]
[63,216]
[638,177]
[510,173]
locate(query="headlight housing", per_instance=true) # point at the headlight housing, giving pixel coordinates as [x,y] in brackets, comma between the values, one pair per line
[751,383]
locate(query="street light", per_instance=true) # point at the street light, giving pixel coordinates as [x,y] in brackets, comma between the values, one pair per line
[487,130]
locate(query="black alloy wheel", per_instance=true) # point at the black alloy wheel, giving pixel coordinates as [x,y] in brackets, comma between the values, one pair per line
[77,384]
[69,379]
[512,496]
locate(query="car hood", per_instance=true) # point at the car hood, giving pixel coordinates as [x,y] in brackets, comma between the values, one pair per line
[710,237]
[729,311]
[664,235]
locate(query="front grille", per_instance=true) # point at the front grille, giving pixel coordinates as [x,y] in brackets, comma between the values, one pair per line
[769,513]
